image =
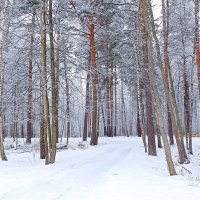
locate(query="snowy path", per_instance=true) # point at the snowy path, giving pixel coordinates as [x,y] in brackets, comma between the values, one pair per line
[108,172]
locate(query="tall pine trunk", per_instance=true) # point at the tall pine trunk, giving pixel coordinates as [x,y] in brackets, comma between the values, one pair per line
[45,107]
[54,86]
[147,88]
[87,105]
[94,135]
[139,95]
[139,131]
[30,69]
[68,102]
[165,11]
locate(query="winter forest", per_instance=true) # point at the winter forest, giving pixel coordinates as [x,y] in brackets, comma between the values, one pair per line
[99,99]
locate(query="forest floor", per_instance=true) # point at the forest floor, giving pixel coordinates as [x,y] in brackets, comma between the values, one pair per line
[116,169]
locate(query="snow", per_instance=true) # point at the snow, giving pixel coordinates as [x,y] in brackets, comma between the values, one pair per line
[116,169]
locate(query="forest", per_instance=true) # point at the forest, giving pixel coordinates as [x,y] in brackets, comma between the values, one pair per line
[92,69]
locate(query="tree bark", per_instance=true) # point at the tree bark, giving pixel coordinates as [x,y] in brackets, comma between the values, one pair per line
[165,11]
[54,87]
[115,97]
[148,94]
[158,136]
[94,135]
[139,96]
[45,108]
[29,134]
[3,155]
[87,105]
[141,116]
[139,131]
[42,130]
[68,103]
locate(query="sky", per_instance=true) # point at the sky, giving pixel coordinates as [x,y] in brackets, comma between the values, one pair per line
[156,8]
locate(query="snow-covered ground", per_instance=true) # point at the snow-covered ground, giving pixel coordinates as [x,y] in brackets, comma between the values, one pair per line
[116,169]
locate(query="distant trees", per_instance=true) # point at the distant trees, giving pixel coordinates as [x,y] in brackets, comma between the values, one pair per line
[99,68]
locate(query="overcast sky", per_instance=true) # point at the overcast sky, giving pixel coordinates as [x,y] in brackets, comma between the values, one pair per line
[156,8]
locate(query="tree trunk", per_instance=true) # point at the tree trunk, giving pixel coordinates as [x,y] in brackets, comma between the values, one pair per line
[142,118]
[158,136]
[108,107]
[148,94]
[124,119]
[42,136]
[165,11]
[139,97]
[68,104]
[94,136]
[139,131]
[186,102]
[29,134]
[57,66]
[3,155]
[145,6]
[190,149]
[178,131]
[87,105]
[109,90]
[150,124]
[22,130]
[45,108]
[111,101]
[54,87]
[115,97]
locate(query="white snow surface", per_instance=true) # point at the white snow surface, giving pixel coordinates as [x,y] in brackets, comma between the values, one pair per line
[116,169]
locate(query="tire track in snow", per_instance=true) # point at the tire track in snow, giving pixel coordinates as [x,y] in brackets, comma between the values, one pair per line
[72,179]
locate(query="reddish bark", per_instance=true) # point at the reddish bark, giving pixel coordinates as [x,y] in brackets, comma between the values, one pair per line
[165,10]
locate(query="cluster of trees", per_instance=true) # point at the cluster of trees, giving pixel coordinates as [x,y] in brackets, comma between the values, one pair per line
[95,68]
